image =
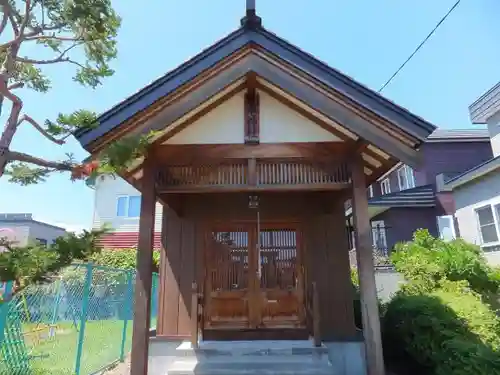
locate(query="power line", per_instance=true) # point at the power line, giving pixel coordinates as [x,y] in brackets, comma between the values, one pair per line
[420,46]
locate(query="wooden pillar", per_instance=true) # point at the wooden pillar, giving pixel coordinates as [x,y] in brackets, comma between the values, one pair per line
[366,271]
[143,281]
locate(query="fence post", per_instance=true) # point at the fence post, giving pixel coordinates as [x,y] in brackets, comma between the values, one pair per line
[83,318]
[129,301]
[4,309]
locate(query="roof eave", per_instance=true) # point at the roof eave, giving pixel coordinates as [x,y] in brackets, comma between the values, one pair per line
[413,125]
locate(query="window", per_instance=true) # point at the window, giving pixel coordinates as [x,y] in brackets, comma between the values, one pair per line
[379,237]
[370,191]
[41,241]
[488,222]
[446,227]
[128,206]
[406,179]
[385,186]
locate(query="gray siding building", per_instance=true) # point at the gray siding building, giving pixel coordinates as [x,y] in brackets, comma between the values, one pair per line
[476,192]
[22,229]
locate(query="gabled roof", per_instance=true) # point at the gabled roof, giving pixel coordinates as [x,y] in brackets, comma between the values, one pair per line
[459,135]
[252,35]
[486,105]
[476,172]
[420,196]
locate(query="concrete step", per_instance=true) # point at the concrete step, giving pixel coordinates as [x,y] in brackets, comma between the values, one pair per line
[251,348]
[251,366]
[251,358]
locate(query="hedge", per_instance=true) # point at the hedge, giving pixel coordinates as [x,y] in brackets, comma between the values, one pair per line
[448,331]
[123,258]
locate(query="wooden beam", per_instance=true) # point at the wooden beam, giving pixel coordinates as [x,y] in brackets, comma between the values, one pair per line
[142,298]
[252,172]
[206,154]
[251,111]
[366,271]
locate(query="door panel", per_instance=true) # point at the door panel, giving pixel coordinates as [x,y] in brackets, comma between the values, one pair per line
[281,277]
[253,282]
[228,281]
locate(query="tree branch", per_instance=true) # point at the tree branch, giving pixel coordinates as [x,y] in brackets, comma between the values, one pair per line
[18,85]
[58,59]
[38,127]
[5,18]
[27,11]
[22,157]
[55,37]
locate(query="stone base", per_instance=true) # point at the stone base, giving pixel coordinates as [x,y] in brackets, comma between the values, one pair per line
[254,358]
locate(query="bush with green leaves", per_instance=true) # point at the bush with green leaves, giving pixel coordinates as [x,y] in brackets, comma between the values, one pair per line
[122,258]
[36,262]
[449,331]
[426,260]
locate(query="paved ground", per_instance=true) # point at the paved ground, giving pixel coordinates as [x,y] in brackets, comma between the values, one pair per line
[120,369]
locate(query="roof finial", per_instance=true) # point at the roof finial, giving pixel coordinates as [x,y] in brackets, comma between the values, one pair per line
[250,6]
[251,20]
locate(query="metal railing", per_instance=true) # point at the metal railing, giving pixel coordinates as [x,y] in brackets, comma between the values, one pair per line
[80,323]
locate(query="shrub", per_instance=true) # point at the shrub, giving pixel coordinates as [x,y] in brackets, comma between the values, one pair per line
[449,331]
[123,258]
[426,260]
[37,263]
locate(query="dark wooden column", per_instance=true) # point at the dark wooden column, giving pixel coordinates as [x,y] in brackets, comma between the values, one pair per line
[142,298]
[366,271]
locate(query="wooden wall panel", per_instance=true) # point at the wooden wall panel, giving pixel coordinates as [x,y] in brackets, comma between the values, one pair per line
[327,260]
[170,267]
[186,275]
[321,216]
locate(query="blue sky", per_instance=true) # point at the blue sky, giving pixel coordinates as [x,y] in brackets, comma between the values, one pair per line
[367,40]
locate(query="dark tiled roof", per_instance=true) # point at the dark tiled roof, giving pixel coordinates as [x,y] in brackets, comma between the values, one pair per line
[421,196]
[256,35]
[475,172]
[479,134]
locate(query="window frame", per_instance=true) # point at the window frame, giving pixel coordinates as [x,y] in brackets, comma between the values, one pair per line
[370,191]
[492,206]
[452,220]
[383,183]
[409,176]
[379,226]
[127,206]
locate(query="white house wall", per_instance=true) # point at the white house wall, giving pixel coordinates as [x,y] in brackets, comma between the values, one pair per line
[107,191]
[225,124]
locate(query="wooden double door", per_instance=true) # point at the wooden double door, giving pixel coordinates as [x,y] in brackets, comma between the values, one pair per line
[254,277]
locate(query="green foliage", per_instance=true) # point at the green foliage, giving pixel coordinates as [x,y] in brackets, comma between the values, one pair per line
[35,262]
[426,260]
[87,25]
[81,34]
[449,331]
[122,258]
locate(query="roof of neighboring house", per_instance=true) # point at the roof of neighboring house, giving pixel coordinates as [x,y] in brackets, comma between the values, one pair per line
[15,218]
[486,105]
[459,135]
[126,240]
[251,33]
[420,196]
[441,135]
[478,171]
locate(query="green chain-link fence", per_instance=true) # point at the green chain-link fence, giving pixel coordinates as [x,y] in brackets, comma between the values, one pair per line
[79,324]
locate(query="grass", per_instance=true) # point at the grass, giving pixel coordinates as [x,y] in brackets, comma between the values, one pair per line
[101,346]
[57,355]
